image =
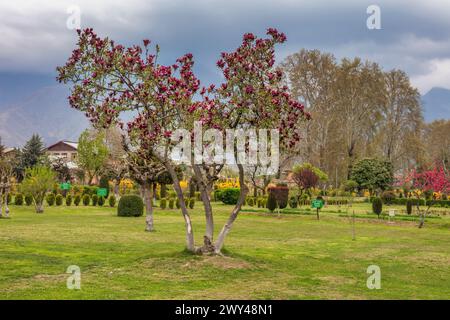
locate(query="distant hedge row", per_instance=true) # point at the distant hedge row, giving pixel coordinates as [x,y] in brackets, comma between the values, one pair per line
[58,200]
[414,201]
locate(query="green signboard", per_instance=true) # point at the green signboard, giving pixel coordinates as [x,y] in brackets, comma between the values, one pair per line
[102,192]
[318,204]
[65,186]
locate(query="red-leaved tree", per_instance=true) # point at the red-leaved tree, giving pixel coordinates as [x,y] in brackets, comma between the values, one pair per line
[426,182]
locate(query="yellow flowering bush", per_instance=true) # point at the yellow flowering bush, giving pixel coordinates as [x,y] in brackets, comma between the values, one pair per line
[125,186]
[184,185]
[228,183]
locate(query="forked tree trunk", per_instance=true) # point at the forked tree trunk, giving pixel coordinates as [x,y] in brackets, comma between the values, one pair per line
[209,231]
[148,198]
[227,227]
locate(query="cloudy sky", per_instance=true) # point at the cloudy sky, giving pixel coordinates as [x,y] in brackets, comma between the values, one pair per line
[414,34]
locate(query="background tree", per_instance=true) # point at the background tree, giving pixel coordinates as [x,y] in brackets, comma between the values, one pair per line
[307,177]
[379,112]
[437,139]
[92,153]
[145,169]
[59,166]
[32,154]
[401,122]
[423,182]
[37,182]
[373,174]
[7,164]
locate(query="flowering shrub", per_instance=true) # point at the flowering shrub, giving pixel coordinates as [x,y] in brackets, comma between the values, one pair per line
[125,186]
[228,183]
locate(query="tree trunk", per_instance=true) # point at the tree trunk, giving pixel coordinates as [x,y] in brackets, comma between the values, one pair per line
[227,227]
[6,205]
[187,219]
[1,202]
[148,198]
[209,232]
[39,207]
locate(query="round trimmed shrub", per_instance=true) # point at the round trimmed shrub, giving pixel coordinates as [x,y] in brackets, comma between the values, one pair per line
[50,198]
[101,201]
[409,205]
[28,199]
[94,199]
[177,203]
[192,203]
[77,200]
[69,200]
[59,199]
[293,203]
[218,195]
[250,202]
[130,206]
[86,199]
[112,200]
[230,195]
[171,203]
[377,206]
[388,197]
[18,200]
[163,203]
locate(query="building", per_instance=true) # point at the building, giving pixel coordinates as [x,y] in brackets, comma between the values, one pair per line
[10,152]
[66,150]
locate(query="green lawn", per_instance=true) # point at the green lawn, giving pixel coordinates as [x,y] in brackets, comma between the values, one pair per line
[293,256]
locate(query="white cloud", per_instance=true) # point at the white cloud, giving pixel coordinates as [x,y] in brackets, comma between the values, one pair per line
[437,75]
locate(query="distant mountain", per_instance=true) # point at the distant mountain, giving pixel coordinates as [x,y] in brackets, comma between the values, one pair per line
[45,111]
[436,103]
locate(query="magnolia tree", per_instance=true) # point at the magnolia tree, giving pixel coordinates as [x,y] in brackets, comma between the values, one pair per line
[110,80]
[426,182]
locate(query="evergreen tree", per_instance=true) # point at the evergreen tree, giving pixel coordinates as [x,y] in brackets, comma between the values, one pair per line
[32,154]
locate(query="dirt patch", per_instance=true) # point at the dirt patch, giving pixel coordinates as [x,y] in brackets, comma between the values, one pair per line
[219,262]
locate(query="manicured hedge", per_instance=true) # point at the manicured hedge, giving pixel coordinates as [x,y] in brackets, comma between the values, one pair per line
[230,195]
[435,203]
[130,206]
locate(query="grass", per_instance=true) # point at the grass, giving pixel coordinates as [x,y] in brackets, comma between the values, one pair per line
[267,257]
